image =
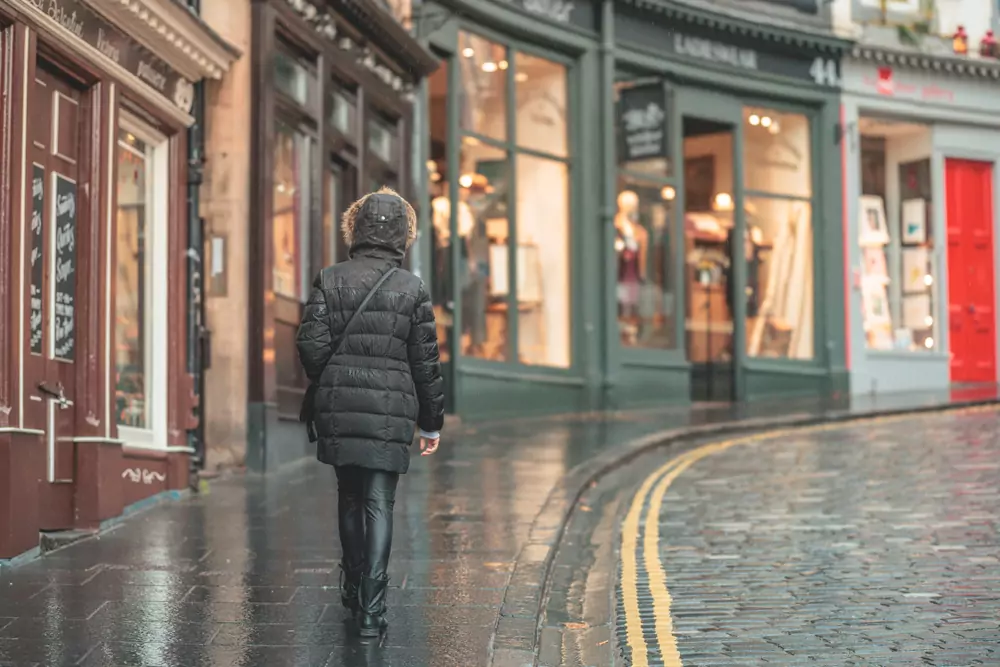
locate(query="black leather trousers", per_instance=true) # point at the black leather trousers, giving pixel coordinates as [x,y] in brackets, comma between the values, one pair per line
[366,498]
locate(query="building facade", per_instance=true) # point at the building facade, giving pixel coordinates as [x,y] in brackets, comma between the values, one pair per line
[95,397]
[649,161]
[328,112]
[923,142]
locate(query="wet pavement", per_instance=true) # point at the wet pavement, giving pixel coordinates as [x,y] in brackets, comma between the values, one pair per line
[871,544]
[247,574]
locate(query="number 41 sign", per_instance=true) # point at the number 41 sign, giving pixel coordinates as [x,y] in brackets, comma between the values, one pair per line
[824,72]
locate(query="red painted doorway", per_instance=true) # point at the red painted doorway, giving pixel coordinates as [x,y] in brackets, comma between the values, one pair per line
[971,310]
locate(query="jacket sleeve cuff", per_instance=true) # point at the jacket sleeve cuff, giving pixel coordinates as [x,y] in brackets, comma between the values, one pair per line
[430,435]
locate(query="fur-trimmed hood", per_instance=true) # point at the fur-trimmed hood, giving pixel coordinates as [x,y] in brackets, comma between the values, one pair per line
[380,224]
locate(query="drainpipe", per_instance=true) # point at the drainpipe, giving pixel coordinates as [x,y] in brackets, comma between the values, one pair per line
[608,174]
[197,339]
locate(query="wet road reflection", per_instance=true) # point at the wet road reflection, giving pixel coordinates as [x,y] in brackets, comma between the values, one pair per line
[247,575]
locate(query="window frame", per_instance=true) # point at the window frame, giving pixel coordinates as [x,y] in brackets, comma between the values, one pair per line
[158,184]
[510,146]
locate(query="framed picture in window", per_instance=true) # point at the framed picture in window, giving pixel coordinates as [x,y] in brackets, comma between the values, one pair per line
[873,230]
[875,302]
[875,268]
[914,221]
[915,270]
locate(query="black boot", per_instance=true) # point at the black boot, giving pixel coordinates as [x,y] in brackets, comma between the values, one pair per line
[350,580]
[371,617]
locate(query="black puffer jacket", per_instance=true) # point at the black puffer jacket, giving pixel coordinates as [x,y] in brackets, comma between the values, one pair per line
[387,378]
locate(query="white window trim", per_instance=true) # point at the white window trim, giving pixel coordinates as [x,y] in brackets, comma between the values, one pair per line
[157,285]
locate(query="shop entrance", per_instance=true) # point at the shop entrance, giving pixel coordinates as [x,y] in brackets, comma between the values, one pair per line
[709,277]
[50,262]
[971,312]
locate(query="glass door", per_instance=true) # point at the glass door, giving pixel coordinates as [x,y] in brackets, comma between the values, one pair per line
[710,232]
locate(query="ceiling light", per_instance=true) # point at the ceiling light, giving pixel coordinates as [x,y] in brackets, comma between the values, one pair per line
[754,119]
[766,121]
[465,180]
[928,343]
[468,52]
[520,77]
[668,193]
[775,128]
[928,280]
[504,64]
[489,66]
[928,321]
[723,202]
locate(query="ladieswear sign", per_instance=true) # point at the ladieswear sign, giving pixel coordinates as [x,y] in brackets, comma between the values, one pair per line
[116,46]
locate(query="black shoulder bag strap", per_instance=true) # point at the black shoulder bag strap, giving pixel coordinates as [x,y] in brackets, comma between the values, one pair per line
[306,412]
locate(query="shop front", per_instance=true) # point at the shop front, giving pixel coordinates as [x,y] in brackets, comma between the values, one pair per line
[94,396]
[332,120]
[922,142]
[621,148]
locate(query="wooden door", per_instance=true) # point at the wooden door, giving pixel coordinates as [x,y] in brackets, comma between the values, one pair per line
[51,345]
[971,310]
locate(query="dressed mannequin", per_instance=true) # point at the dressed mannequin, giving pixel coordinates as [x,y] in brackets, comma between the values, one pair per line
[631,246]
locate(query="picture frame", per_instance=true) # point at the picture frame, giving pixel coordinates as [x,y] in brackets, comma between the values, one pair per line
[872,227]
[875,305]
[914,222]
[874,266]
[915,268]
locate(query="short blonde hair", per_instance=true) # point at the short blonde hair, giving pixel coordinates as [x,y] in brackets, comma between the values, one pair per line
[350,217]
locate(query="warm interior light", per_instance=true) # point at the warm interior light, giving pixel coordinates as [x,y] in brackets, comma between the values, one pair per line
[668,193]
[754,119]
[723,202]
[503,64]
[766,121]
[520,77]
[489,66]
[928,280]
[468,52]
[775,128]
[435,177]
[465,180]
[928,321]
[928,343]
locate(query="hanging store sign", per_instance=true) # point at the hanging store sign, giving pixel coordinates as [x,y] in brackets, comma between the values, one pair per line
[75,17]
[729,52]
[642,120]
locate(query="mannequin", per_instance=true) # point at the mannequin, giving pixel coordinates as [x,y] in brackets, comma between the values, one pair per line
[631,244]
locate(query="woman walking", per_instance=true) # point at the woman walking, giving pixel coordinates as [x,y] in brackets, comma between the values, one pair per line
[368,343]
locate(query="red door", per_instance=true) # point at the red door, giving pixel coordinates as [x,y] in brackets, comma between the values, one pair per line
[971,311]
[51,260]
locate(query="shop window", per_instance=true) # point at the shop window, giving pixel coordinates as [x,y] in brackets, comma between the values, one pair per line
[543,276]
[440,210]
[483,230]
[896,236]
[343,109]
[339,184]
[141,286]
[644,226]
[482,97]
[383,136]
[778,245]
[293,78]
[290,213]
[540,91]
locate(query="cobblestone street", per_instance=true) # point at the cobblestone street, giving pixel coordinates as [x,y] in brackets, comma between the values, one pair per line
[873,544]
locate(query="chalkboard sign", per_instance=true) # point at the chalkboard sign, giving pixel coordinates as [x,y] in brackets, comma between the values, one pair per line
[642,118]
[64,265]
[37,257]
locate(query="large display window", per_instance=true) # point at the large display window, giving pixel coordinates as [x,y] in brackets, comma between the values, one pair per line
[896,236]
[141,281]
[509,182]
[779,236]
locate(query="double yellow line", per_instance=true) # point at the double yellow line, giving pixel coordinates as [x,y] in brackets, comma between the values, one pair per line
[662,478]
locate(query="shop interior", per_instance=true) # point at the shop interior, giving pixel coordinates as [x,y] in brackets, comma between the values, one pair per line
[896,235]
[540,182]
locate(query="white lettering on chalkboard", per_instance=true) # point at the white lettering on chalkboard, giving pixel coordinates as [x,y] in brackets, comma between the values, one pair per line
[64,270]
[36,302]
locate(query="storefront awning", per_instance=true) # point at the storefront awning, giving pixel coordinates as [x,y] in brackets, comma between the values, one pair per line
[385,32]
